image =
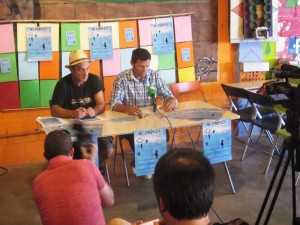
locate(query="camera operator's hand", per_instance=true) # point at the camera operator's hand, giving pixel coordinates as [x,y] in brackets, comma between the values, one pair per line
[86,155]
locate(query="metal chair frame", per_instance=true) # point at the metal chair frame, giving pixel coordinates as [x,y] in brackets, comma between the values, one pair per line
[181,90]
[268,122]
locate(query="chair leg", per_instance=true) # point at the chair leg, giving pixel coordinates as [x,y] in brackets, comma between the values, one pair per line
[191,138]
[271,140]
[247,141]
[173,139]
[229,177]
[271,155]
[260,135]
[124,163]
[198,138]
[123,158]
[115,155]
[107,173]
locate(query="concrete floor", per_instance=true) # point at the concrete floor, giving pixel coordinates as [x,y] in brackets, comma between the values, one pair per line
[138,201]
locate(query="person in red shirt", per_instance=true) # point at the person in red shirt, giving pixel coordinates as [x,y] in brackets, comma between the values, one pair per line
[70,191]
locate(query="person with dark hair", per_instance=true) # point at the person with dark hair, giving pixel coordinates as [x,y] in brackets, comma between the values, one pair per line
[184,183]
[130,89]
[80,95]
[70,191]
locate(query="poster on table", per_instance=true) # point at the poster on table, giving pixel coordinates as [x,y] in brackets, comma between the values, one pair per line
[217,140]
[39,47]
[163,38]
[149,146]
[101,42]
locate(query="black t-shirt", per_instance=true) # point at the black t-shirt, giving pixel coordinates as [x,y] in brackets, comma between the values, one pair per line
[69,96]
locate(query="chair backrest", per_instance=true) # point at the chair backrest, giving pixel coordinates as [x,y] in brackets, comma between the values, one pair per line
[186,91]
[265,111]
[260,100]
[233,93]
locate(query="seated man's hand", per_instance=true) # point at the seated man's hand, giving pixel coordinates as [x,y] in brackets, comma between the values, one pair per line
[170,104]
[89,155]
[134,110]
[90,112]
[79,113]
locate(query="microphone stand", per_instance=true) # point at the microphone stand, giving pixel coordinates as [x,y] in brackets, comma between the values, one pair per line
[154,104]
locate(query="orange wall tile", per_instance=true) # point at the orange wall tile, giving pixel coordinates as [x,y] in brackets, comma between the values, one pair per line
[108,84]
[12,154]
[94,66]
[127,25]
[180,62]
[34,151]
[49,70]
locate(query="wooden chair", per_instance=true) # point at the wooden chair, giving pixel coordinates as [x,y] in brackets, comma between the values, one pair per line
[187,91]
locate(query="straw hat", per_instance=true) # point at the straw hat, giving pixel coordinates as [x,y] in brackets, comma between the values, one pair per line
[76,57]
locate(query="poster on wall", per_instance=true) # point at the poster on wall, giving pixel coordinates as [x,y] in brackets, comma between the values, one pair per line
[163,38]
[39,47]
[149,146]
[101,42]
[5,66]
[70,38]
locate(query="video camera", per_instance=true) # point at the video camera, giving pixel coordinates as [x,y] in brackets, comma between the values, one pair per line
[83,139]
[292,123]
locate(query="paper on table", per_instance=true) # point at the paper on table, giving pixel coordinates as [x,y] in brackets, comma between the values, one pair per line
[50,121]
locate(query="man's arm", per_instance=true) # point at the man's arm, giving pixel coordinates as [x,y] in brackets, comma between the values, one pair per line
[107,195]
[100,104]
[58,111]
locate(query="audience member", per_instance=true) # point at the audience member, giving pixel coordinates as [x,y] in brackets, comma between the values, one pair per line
[183,183]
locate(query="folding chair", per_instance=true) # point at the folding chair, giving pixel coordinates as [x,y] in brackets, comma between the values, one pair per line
[187,91]
[269,122]
[239,104]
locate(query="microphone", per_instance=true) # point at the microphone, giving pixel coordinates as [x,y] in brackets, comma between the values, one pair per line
[152,91]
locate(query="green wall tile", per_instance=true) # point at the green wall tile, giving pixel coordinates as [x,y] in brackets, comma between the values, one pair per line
[166,61]
[65,27]
[13,74]
[46,91]
[29,93]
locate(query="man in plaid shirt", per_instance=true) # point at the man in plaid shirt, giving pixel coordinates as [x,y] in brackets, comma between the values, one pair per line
[130,89]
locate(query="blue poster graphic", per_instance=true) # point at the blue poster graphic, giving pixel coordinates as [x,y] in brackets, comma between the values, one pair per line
[163,38]
[149,146]
[217,140]
[101,42]
[129,35]
[70,38]
[5,66]
[39,46]
[185,54]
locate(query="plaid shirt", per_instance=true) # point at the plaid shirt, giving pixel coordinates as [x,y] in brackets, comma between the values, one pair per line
[128,90]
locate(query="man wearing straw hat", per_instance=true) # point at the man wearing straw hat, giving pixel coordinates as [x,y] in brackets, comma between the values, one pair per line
[79,95]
